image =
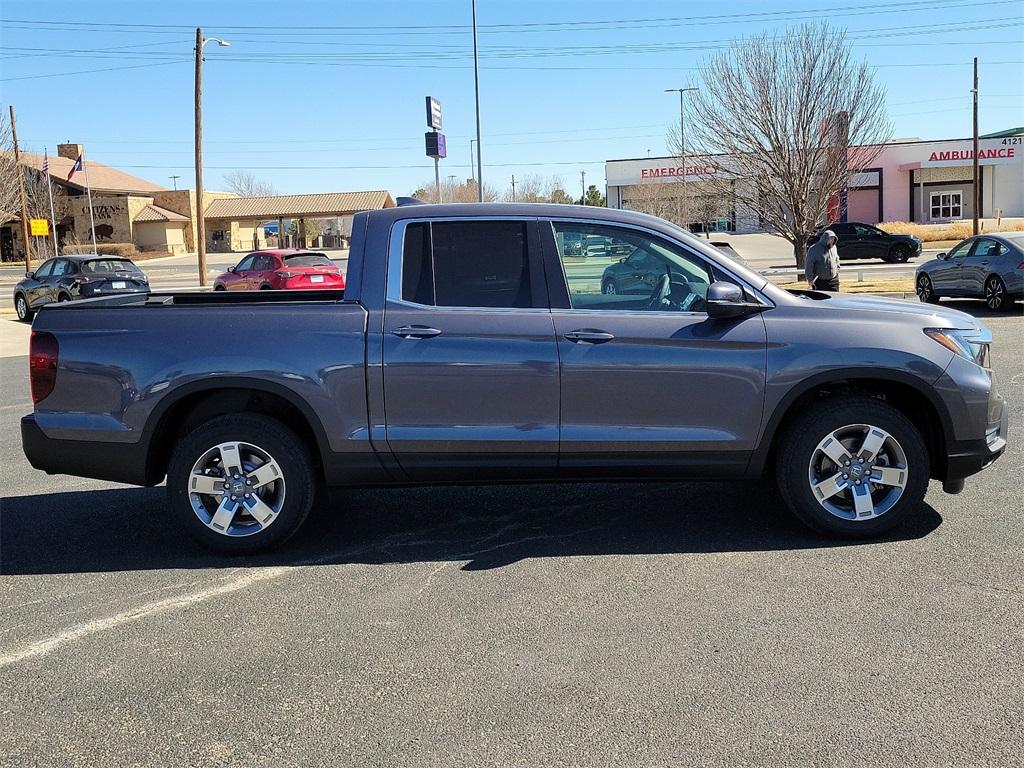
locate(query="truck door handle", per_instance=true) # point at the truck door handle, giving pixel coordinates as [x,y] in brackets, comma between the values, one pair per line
[416,332]
[589,336]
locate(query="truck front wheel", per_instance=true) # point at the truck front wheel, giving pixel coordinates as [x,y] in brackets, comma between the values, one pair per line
[241,483]
[852,466]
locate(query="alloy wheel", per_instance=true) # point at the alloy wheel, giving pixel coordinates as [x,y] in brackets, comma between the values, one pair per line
[995,294]
[236,489]
[924,288]
[858,472]
[609,289]
[21,307]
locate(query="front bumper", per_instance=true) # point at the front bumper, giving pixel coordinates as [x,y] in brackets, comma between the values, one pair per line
[118,462]
[968,457]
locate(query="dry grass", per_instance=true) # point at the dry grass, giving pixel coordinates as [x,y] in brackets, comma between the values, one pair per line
[954,231]
[880,285]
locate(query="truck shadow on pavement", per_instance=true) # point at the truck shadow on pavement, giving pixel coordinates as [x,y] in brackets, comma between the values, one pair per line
[127,529]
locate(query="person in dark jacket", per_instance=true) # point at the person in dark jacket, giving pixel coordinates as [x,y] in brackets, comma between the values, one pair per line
[821,266]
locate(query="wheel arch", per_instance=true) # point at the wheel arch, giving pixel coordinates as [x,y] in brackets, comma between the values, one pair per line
[193,404]
[911,396]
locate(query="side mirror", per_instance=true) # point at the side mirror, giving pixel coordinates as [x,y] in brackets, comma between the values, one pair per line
[726,300]
[942,256]
[30,275]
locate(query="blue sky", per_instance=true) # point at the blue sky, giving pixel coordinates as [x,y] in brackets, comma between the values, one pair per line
[328,96]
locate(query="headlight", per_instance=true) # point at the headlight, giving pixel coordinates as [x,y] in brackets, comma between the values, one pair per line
[971,344]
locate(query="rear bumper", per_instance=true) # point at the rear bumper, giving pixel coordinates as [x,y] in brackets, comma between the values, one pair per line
[117,462]
[968,457]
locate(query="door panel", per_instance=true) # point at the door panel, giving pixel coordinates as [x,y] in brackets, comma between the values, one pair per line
[470,392]
[947,280]
[977,265]
[666,392]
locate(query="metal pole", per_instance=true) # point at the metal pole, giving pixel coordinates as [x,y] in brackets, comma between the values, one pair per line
[977,171]
[583,187]
[53,218]
[437,178]
[200,210]
[88,193]
[21,189]
[513,187]
[682,158]
[476,86]
[472,160]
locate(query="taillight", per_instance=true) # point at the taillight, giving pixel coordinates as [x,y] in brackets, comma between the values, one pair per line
[1021,265]
[287,275]
[43,354]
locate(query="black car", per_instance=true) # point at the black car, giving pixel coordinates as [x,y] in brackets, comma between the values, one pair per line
[863,241]
[76,277]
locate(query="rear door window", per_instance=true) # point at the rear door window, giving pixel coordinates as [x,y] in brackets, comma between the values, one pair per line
[472,263]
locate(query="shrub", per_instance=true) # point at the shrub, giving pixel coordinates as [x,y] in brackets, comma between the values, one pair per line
[953,230]
[123,250]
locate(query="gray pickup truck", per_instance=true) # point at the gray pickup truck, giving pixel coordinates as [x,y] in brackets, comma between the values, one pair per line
[472,346]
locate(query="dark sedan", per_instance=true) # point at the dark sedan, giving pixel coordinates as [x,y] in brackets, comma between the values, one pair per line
[76,277]
[989,267]
[863,241]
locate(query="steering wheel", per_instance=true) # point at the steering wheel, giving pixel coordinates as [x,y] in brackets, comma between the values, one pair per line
[659,297]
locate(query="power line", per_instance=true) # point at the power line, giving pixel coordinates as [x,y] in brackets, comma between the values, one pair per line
[90,71]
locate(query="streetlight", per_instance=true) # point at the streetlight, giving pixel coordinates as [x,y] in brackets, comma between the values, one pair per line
[476,88]
[472,160]
[682,151]
[200,210]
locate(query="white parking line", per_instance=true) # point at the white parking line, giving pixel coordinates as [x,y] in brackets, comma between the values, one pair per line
[50,644]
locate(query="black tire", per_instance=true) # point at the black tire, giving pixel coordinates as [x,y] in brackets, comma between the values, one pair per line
[22,308]
[61,297]
[297,478]
[925,291]
[996,297]
[797,448]
[266,288]
[898,255]
[219,287]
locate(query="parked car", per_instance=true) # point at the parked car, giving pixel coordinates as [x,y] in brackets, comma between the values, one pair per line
[76,277]
[989,267]
[466,348]
[863,241]
[281,270]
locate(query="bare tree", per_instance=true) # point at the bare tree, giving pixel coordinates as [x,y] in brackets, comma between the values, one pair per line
[9,200]
[659,199]
[793,116]
[454,193]
[246,184]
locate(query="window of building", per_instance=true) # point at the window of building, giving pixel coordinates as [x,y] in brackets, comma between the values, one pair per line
[947,205]
[467,264]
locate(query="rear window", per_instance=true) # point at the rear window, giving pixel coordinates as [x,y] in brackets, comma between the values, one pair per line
[308,260]
[467,264]
[1017,240]
[109,265]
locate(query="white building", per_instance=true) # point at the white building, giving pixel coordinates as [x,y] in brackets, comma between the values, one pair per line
[922,181]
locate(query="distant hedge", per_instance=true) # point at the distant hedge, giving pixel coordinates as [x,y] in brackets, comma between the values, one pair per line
[124,250]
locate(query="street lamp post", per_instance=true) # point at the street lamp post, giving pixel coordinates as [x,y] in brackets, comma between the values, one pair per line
[682,152]
[476,86]
[200,210]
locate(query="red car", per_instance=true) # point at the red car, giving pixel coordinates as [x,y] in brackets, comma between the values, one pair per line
[281,270]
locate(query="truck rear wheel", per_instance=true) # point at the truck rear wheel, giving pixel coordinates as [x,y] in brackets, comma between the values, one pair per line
[852,466]
[241,483]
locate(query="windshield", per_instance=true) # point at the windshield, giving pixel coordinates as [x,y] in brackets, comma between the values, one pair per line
[308,260]
[109,265]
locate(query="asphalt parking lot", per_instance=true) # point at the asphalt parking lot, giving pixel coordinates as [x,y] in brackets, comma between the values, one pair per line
[649,624]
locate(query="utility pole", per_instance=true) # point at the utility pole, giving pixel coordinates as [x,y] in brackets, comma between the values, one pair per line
[174,181]
[513,187]
[476,86]
[472,160]
[21,188]
[583,187]
[682,154]
[976,192]
[200,210]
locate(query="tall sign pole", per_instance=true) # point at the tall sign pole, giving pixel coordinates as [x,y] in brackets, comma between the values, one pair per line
[200,211]
[88,194]
[976,193]
[21,188]
[435,141]
[476,87]
[49,193]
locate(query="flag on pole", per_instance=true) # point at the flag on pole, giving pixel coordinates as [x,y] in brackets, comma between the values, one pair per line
[78,166]
[46,166]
